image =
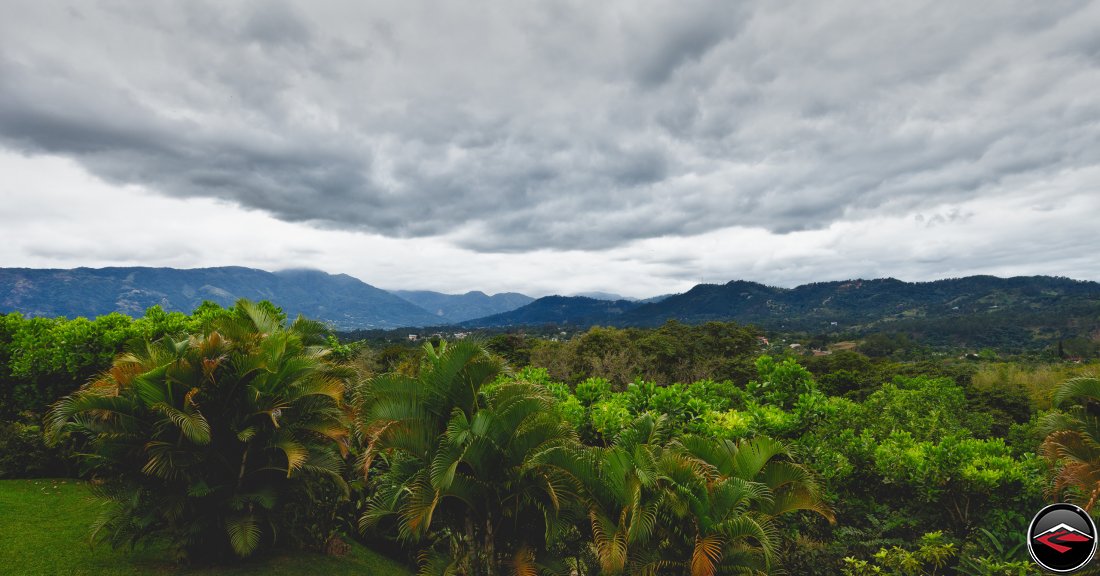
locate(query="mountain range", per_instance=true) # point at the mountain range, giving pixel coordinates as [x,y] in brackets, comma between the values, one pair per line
[338,299]
[977,303]
[974,311]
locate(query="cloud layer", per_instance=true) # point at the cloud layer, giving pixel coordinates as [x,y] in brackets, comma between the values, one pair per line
[56,215]
[566,126]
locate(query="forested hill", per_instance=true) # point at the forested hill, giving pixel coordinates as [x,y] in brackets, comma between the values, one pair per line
[856,303]
[341,300]
[976,310]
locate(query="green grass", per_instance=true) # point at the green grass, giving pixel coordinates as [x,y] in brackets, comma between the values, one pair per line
[44,528]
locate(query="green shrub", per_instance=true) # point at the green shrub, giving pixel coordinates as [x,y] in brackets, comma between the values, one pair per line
[212,442]
[593,390]
[24,453]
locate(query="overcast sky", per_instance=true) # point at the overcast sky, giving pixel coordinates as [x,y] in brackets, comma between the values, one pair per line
[554,147]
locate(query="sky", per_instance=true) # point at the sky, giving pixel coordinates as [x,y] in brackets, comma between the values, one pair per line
[554,146]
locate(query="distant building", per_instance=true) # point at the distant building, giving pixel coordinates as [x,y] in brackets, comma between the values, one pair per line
[413,337]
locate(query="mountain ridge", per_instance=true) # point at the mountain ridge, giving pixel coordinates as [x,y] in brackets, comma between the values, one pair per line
[949,306]
[340,300]
[971,306]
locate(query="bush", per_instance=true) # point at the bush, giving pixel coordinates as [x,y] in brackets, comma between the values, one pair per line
[24,453]
[593,390]
[213,442]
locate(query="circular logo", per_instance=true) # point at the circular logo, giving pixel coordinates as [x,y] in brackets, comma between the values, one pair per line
[1062,538]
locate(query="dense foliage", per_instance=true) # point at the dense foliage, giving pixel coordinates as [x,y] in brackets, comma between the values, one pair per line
[452,451]
[706,449]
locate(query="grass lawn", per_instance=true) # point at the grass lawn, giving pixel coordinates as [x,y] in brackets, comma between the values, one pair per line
[44,527]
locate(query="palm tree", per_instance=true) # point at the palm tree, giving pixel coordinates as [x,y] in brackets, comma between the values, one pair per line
[458,468]
[1072,444]
[624,492]
[202,439]
[661,505]
[726,509]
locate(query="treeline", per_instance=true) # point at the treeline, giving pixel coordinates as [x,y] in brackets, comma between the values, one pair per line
[681,449]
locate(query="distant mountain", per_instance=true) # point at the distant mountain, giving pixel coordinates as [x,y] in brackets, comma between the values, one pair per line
[614,297]
[454,308]
[973,311]
[653,299]
[860,303]
[340,300]
[572,310]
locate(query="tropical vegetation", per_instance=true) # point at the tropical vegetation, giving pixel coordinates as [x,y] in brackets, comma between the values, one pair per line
[233,434]
[207,440]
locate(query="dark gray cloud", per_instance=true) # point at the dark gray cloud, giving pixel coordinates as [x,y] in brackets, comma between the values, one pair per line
[562,125]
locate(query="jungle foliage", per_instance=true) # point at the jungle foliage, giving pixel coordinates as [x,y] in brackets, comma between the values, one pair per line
[676,450]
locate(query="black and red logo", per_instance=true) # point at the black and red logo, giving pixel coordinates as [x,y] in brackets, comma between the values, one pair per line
[1062,538]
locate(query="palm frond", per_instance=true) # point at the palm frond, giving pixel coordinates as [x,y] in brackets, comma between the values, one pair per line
[244,534]
[706,555]
[191,423]
[1076,390]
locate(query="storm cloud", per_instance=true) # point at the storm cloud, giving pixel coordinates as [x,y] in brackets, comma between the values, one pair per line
[508,127]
